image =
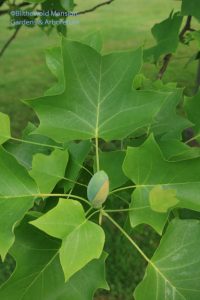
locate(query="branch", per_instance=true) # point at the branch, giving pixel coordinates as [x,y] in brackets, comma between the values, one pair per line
[95,7]
[2,2]
[163,69]
[186,28]
[13,36]
[167,57]
[6,11]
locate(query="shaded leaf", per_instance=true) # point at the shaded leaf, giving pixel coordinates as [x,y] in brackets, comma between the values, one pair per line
[16,188]
[166,35]
[24,151]
[191,8]
[111,163]
[77,155]
[47,170]
[192,107]
[176,150]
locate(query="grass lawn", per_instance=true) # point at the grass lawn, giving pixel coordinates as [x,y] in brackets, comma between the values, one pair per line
[124,24]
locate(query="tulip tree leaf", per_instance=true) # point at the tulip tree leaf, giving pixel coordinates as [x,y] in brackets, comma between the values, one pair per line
[175,150]
[30,145]
[5,128]
[192,107]
[44,279]
[168,123]
[98,100]
[174,270]
[47,170]
[82,240]
[191,8]
[16,188]
[54,61]
[147,168]
[166,35]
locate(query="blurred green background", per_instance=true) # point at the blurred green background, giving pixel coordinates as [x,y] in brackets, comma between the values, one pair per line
[23,74]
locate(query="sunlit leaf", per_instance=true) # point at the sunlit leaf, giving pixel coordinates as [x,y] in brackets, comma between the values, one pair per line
[82,240]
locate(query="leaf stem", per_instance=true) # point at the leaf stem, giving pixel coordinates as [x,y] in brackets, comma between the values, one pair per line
[119,210]
[65,195]
[34,143]
[74,197]
[137,247]
[123,189]
[126,235]
[97,152]
[88,211]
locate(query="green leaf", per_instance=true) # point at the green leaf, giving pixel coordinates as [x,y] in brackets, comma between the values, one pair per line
[5,128]
[82,240]
[174,271]
[55,65]
[38,274]
[33,144]
[175,150]
[166,35]
[94,40]
[16,190]
[111,163]
[162,200]
[77,155]
[67,4]
[168,123]
[98,100]
[147,168]
[47,170]
[98,189]
[191,7]
[192,108]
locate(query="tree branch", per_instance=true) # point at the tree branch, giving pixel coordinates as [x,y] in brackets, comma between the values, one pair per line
[95,7]
[166,61]
[2,2]
[6,11]
[167,57]
[13,36]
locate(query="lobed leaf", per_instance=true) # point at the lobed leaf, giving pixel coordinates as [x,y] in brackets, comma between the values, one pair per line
[38,274]
[147,168]
[82,240]
[98,100]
